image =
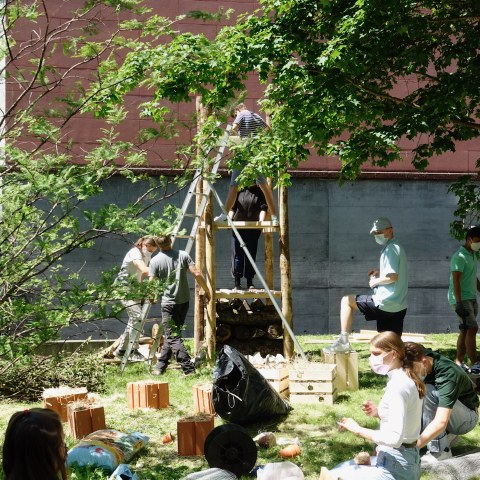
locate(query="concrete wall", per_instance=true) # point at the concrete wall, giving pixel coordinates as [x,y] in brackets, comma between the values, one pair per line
[331,249]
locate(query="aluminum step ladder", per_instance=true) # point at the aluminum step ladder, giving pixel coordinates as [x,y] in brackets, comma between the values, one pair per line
[197,216]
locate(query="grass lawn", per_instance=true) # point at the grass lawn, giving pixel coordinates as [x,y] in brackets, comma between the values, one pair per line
[314,425]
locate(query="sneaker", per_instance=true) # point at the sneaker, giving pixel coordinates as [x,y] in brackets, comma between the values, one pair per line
[465,367]
[136,356]
[157,370]
[338,346]
[274,221]
[222,218]
[238,285]
[475,369]
[119,353]
[431,458]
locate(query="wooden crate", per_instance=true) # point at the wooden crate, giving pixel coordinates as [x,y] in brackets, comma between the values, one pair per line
[202,399]
[278,378]
[313,383]
[191,434]
[148,394]
[85,418]
[58,398]
[347,369]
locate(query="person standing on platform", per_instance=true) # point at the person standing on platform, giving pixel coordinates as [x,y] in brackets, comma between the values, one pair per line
[134,268]
[462,295]
[170,266]
[250,206]
[388,304]
[248,124]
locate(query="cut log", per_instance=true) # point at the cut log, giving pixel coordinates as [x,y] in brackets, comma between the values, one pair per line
[263,345]
[242,332]
[224,332]
[275,330]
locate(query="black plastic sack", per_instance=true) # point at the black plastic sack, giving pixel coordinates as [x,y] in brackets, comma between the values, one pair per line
[240,393]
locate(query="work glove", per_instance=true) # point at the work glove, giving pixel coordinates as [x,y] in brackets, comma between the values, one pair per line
[461,310]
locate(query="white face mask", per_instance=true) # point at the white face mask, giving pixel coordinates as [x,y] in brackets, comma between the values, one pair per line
[377,364]
[475,246]
[381,239]
[146,252]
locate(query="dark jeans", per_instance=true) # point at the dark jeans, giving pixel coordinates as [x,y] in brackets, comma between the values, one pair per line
[173,319]
[241,266]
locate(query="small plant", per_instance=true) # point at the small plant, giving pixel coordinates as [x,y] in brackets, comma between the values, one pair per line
[27,378]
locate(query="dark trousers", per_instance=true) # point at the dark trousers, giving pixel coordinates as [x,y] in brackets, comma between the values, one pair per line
[241,266]
[173,319]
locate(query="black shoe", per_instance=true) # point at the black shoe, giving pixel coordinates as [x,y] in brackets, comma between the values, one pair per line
[157,370]
[238,285]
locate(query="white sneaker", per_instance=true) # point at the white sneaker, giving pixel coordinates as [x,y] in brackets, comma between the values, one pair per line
[338,346]
[222,218]
[431,458]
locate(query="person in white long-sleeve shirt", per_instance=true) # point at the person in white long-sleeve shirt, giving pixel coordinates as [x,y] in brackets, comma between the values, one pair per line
[400,414]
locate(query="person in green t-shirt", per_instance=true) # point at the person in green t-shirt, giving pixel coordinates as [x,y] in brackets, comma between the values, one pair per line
[462,295]
[450,407]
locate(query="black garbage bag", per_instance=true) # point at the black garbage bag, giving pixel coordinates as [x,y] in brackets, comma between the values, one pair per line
[240,392]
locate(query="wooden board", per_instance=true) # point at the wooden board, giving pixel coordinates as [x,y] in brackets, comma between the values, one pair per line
[257,293]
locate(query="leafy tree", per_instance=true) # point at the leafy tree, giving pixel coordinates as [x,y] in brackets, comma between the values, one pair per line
[48,180]
[349,79]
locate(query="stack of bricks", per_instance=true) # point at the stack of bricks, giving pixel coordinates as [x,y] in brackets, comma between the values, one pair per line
[202,399]
[191,434]
[148,394]
[85,418]
[58,398]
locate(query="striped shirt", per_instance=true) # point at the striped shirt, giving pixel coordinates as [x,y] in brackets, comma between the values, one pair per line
[249,123]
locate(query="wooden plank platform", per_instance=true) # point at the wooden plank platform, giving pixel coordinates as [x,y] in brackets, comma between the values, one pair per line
[245,225]
[366,335]
[257,293]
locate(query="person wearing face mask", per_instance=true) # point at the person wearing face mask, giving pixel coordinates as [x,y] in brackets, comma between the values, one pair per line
[451,403]
[399,412]
[462,295]
[388,303]
[134,269]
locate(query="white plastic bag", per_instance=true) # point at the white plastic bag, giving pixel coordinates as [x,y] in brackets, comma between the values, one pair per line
[280,470]
[211,474]
[123,472]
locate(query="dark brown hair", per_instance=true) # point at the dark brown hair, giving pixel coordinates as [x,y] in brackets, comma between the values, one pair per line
[34,447]
[163,241]
[391,341]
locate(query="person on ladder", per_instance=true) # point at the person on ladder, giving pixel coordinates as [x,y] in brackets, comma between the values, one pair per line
[134,268]
[170,266]
[249,206]
[247,124]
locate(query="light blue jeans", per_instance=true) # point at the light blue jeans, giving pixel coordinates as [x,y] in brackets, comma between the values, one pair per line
[462,420]
[392,464]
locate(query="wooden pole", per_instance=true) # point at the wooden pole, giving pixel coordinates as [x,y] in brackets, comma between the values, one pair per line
[285,272]
[268,241]
[199,316]
[211,323]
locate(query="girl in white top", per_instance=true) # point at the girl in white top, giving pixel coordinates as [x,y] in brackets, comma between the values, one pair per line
[134,266]
[399,411]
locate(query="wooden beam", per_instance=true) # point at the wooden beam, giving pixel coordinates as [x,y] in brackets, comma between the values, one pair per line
[257,293]
[286,273]
[247,224]
[211,324]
